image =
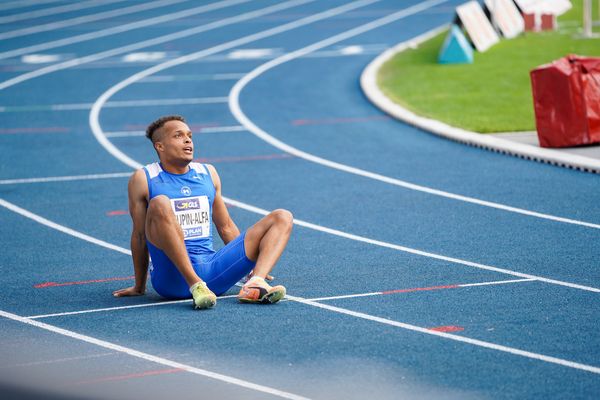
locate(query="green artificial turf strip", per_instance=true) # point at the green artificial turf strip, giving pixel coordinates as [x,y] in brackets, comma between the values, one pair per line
[494,93]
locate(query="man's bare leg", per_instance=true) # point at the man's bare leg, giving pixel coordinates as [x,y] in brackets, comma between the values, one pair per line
[163,231]
[266,240]
[264,243]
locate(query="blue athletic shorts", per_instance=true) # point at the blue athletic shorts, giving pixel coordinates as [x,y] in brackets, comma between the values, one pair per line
[220,270]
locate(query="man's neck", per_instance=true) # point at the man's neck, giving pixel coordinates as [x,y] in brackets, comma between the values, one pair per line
[175,168]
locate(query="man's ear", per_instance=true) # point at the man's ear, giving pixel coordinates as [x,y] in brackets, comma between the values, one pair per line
[158,146]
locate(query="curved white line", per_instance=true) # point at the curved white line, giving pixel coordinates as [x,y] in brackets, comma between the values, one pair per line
[55,10]
[150,42]
[234,105]
[94,120]
[94,117]
[368,82]
[76,21]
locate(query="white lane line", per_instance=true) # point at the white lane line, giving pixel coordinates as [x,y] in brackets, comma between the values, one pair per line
[61,228]
[348,296]
[388,292]
[118,104]
[230,76]
[313,303]
[55,10]
[24,3]
[410,250]
[496,282]
[219,129]
[94,118]
[208,129]
[165,102]
[65,178]
[151,42]
[234,105]
[199,77]
[152,358]
[161,303]
[463,339]
[108,31]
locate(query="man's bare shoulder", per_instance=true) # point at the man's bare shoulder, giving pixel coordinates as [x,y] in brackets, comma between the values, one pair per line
[211,169]
[137,177]
[137,184]
[214,175]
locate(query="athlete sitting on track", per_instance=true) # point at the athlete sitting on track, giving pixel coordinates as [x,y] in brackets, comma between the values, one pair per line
[173,204]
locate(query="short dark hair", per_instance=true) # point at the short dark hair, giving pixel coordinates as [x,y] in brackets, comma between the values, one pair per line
[159,123]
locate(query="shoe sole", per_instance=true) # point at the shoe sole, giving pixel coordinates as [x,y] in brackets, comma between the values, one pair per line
[204,304]
[269,298]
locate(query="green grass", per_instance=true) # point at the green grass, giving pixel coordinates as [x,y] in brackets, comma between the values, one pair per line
[494,93]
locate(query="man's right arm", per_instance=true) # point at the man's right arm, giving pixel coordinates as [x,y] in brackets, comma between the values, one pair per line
[138,204]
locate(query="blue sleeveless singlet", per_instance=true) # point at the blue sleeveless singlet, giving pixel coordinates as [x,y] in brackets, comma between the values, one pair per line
[192,195]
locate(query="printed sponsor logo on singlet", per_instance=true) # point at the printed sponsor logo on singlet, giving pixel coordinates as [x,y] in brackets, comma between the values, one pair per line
[193,215]
[187,204]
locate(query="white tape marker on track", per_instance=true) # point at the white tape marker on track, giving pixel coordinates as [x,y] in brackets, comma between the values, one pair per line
[234,105]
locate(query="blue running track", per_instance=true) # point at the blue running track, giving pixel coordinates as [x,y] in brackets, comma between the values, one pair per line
[418,268]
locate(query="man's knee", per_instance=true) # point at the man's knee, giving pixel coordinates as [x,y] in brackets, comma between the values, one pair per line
[159,208]
[283,218]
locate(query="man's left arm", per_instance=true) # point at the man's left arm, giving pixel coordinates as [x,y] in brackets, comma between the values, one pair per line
[227,229]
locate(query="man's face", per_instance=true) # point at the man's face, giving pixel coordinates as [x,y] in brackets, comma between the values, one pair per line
[175,142]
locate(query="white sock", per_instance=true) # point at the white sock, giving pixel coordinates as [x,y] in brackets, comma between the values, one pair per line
[257,279]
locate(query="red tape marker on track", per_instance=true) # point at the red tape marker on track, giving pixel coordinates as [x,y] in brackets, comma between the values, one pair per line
[55,284]
[117,212]
[421,289]
[129,376]
[449,328]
